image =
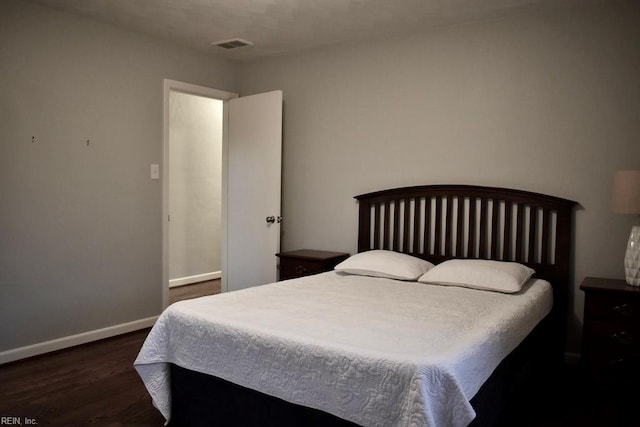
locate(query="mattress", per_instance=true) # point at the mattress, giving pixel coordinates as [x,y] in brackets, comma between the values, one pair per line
[374,351]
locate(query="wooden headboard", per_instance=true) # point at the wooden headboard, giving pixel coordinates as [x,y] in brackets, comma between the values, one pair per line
[440,222]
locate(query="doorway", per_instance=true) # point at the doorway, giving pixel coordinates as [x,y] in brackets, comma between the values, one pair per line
[195,188]
[194,131]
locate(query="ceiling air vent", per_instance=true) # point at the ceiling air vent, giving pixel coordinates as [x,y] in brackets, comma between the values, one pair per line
[232,43]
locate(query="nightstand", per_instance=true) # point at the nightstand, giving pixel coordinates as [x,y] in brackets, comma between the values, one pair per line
[611,331]
[305,262]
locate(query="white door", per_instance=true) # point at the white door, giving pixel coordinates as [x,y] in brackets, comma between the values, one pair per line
[252,205]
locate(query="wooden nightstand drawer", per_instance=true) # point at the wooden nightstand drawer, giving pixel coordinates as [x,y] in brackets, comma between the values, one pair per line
[614,368]
[291,268]
[616,308]
[611,347]
[305,262]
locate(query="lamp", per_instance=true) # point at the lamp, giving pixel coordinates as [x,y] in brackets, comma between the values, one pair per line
[626,200]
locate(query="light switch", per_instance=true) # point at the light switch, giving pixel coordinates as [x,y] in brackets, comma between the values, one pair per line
[155,171]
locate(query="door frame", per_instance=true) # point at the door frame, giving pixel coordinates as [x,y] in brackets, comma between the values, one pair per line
[207,92]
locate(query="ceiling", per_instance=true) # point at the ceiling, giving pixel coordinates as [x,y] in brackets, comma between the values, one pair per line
[279,27]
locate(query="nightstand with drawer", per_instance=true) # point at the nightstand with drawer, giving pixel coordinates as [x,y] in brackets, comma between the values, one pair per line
[305,262]
[611,331]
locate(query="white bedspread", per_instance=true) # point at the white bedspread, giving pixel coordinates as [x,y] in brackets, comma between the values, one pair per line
[377,352]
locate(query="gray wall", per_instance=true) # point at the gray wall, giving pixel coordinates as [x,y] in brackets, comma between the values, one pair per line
[80,227]
[195,185]
[533,101]
[546,103]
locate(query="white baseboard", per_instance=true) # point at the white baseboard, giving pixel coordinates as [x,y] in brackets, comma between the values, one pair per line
[181,281]
[73,340]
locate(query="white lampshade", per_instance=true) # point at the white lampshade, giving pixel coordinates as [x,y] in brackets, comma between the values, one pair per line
[626,192]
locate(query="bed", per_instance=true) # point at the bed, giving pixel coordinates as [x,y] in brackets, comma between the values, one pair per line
[341,349]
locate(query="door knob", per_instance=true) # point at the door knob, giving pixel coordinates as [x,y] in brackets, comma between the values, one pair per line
[271,219]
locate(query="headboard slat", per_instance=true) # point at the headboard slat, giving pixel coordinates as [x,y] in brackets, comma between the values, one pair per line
[376,227]
[544,251]
[396,225]
[507,252]
[519,231]
[406,205]
[437,233]
[387,225]
[426,243]
[483,228]
[415,244]
[496,234]
[532,236]
[460,227]
[472,240]
[448,219]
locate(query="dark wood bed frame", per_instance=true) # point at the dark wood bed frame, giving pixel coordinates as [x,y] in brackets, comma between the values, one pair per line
[496,223]
[436,223]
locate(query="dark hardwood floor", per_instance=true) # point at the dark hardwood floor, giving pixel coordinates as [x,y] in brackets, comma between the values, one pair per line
[88,385]
[95,385]
[210,287]
[576,403]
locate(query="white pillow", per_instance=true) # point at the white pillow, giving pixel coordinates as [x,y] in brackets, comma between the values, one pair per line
[381,263]
[507,277]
